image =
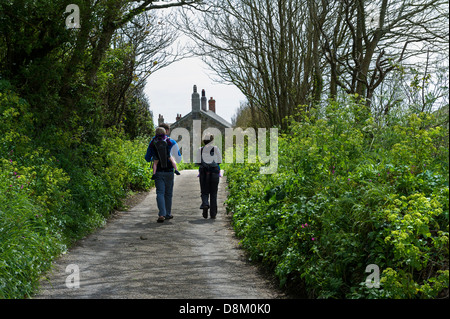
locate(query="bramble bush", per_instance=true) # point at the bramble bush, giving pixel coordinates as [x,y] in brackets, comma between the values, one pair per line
[349,193]
[52,196]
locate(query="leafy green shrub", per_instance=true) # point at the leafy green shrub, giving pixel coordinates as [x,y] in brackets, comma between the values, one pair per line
[55,192]
[30,202]
[349,193]
[110,171]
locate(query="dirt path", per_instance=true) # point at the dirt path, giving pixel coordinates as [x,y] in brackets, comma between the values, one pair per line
[187,257]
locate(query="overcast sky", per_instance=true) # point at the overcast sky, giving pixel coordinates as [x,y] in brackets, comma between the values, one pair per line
[169,90]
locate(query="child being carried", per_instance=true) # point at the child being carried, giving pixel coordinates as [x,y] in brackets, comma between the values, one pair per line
[162,145]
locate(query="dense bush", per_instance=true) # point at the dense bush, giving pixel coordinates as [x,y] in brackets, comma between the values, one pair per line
[50,197]
[350,192]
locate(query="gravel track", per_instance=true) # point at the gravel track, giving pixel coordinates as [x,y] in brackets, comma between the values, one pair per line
[188,257]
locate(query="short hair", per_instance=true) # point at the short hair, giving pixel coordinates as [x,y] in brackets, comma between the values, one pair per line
[165,126]
[160,131]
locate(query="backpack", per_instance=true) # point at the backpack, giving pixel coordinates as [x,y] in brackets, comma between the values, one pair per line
[213,166]
[161,145]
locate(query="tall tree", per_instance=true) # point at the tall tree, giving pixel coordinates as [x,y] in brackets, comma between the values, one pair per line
[365,40]
[266,48]
[139,48]
[56,68]
[100,20]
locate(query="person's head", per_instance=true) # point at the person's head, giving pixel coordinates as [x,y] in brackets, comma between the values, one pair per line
[208,139]
[166,127]
[160,131]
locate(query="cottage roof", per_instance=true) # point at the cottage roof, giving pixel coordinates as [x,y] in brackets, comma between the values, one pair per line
[210,114]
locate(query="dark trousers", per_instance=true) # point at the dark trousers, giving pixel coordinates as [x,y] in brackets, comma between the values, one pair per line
[209,184]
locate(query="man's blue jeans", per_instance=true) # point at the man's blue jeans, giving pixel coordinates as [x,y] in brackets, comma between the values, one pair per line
[164,192]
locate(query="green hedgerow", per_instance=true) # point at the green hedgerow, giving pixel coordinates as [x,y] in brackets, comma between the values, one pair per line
[349,193]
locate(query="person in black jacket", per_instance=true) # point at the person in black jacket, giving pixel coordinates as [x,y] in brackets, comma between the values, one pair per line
[209,159]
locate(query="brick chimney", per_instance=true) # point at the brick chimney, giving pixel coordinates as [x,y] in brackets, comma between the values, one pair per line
[212,105]
[179,116]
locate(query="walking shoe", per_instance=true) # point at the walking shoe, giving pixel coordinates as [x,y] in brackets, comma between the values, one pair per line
[161,219]
[205,213]
[169,217]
